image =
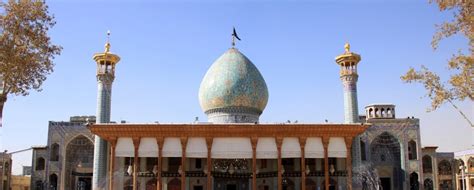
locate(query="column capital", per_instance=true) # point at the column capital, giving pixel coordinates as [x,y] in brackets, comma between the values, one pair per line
[112,141]
[160,141]
[302,141]
[184,142]
[209,141]
[279,142]
[254,140]
[136,142]
[348,141]
[325,140]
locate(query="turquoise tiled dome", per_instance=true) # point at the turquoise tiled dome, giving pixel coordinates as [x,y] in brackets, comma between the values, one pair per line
[233,81]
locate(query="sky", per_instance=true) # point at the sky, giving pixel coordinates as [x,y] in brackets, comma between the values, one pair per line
[166,48]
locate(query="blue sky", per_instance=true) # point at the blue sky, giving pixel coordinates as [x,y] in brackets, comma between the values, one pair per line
[167,46]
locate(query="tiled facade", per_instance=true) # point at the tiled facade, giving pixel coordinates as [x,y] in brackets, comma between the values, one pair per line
[64,162]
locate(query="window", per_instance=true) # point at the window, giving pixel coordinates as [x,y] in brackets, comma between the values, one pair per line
[427,164]
[444,168]
[412,150]
[54,154]
[151,163]
[198,163]
[363,156]
[263,164]
[39,164]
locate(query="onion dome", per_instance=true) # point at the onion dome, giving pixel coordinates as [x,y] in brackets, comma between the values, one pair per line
[233,90]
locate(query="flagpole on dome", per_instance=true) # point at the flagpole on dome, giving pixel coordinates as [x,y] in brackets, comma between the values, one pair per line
[234,36]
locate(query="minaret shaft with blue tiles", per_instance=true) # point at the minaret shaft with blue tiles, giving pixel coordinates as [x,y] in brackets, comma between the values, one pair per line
[348,62]
[105,76]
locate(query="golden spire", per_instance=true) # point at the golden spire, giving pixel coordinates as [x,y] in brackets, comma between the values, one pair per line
[347,47]
[107,45]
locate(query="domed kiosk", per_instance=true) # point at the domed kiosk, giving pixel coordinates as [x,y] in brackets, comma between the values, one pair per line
[233,90]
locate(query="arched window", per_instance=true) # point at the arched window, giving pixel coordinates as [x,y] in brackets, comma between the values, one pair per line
[370,113]
[412,150]
[54,154]
[53,182]
[414,185]
[427,164]
[428,184]
[444,168]
[39,164]
[363,155]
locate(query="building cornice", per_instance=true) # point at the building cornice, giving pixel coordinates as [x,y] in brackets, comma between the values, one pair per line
[113,131]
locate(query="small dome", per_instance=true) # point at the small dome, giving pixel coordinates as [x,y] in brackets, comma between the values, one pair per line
[233,81]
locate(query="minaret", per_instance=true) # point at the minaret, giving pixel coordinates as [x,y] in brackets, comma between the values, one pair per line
[348,62]
[105,76]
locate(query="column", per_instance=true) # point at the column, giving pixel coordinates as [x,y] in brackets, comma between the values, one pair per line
[184,141]
[279,141]
[160,141]
[209,163]
[326,162]
[303,164]
[112,142]
[349,162]
[136,144]
[254,162]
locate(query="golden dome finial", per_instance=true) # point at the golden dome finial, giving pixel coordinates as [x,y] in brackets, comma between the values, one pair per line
[107,45]
[347,47]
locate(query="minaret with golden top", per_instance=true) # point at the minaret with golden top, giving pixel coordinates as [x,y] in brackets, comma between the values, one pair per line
[106,62]
[348,62]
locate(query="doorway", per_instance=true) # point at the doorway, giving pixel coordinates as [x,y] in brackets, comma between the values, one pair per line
[84,183]
[386,183]
[231,187]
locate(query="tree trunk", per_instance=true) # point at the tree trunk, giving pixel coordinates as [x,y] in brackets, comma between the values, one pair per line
[3,99]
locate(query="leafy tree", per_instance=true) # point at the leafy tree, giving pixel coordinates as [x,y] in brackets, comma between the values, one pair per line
[460,85]
[26,50]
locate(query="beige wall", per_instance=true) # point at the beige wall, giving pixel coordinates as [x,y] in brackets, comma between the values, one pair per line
[20,183]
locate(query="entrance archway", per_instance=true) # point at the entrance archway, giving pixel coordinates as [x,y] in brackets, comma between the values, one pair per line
[386,156]
[79,157]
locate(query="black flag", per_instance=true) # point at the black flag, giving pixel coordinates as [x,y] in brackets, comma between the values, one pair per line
[235,34]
